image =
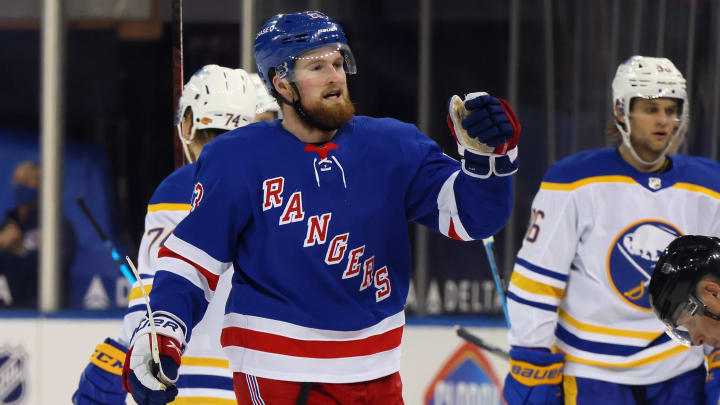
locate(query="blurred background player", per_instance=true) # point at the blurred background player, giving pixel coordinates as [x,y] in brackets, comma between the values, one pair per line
[310,215]
[598,225]
[215,100]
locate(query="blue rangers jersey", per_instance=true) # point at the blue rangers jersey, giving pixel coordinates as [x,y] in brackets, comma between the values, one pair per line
[204,375]
[579,284]
[316,237]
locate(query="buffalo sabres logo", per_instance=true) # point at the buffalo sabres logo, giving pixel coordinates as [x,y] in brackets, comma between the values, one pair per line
[13,375]
[198,192]
[632,257]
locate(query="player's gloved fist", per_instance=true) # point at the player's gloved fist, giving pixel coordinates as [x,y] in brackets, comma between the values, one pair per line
[100,382]
[535,378]
[487,132]
[712,383]
[148,382]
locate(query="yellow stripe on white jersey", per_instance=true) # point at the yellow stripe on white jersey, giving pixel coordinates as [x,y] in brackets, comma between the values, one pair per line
[659,353]
[136,292]
[545,185]
[536,287]
[168,207]
[697,189]
[603,331]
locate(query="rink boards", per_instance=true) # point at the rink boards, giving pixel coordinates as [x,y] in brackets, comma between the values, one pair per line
[41,360]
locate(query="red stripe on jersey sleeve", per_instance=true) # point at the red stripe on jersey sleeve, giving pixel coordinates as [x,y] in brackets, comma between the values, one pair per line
[211,278]
[317,349]
[451,231]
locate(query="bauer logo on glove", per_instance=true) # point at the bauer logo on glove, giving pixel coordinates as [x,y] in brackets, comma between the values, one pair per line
[487,132]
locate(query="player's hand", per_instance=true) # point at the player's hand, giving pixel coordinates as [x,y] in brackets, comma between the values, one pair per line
[148,382]
[100,382]
[535,378]
[487,132]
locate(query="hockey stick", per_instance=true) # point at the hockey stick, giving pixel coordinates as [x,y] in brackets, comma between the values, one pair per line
[151,319]
[107,242]
[178,76]
[488,243]
[463,333]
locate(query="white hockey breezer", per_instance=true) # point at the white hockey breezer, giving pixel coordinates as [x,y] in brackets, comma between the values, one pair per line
[649,78]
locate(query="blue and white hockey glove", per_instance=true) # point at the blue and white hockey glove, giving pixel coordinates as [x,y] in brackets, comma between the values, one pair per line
[535,378]
[712,383]
[487,132]
[148,382]
[101,382]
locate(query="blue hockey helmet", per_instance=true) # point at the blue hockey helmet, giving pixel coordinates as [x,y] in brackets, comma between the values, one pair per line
[284,37]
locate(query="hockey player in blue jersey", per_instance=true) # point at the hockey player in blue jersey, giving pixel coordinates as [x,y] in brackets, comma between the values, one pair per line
[581,319]
[216,99]
[309,214]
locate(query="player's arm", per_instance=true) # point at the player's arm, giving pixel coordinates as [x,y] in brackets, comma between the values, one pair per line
[160,221]
[537,286]
[190,263]
[100,382]
[471,200]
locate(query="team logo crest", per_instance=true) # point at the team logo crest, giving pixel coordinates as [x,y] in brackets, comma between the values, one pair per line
[466,378]
[13,375]
[632,257]
[198,192]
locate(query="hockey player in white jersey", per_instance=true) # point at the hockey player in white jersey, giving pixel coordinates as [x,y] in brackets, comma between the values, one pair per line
[309,214]
[578,295]
[215,100]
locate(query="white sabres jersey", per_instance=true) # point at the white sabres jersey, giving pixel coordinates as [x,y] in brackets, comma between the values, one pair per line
[204,374]
[579,285]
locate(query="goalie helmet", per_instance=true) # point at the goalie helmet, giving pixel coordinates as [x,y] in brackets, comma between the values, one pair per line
[649,78]
[284,37]
[672,286]
[219,98]
[265,102]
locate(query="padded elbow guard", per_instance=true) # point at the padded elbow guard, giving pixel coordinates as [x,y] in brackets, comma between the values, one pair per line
[535,378]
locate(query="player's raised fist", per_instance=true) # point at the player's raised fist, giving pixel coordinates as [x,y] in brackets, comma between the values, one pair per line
[487,132]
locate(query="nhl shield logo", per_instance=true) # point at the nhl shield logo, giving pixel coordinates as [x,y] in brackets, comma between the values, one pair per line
[466,378]
[655,183]
[13,375]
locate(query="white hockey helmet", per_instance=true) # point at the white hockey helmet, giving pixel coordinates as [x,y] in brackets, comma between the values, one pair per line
[220,98]
[265,102]
[649,78]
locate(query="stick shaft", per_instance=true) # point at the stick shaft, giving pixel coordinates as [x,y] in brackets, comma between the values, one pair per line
[107,242]
[178,77]
[151,319]
[463,333]
[488,242]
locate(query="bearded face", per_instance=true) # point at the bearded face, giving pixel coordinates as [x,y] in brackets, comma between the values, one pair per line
[321,80]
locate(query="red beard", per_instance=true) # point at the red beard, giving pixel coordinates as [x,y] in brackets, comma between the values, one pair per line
[332,117]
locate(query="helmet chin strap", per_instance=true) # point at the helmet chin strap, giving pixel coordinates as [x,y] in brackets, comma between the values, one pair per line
[626,140]
[186,142]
